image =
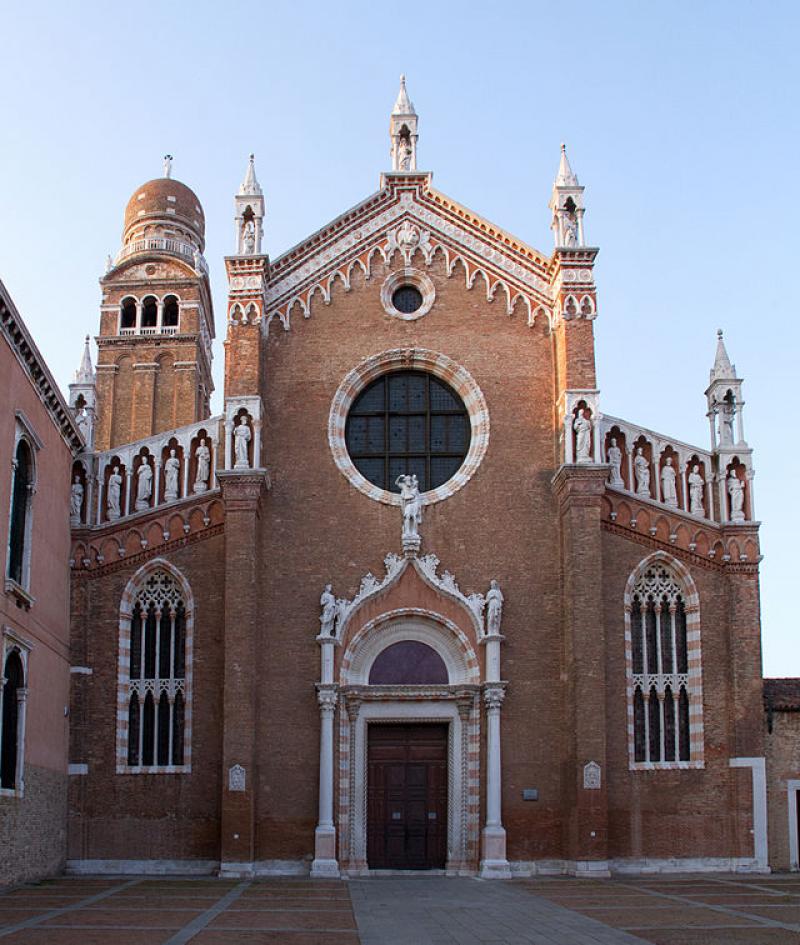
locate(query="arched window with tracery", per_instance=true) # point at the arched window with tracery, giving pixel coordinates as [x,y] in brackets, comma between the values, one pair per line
[155,674]
[663,659]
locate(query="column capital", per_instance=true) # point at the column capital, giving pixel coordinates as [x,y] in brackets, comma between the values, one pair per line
[243,489]
[493,696]
[327,696]
[579,485]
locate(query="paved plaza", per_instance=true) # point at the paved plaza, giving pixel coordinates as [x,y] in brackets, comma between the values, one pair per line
[405,910]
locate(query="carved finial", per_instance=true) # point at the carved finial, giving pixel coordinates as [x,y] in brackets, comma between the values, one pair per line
[403,105]
[250,185]
[722,363]
[167,165]
[565,176]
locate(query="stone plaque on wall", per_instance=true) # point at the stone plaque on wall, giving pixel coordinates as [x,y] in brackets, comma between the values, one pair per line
[591,776]
[236,778]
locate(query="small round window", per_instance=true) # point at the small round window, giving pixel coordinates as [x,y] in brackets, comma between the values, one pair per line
[407,299]
[408,423]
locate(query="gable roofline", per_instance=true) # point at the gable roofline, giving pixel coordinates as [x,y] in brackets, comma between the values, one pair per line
[539,261]
[19,339]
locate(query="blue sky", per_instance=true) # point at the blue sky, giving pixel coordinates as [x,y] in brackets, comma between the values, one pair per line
[681,119]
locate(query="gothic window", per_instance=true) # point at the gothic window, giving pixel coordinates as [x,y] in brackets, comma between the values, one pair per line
[19,527]
[155,689]
[663,688]
[12,729]
[404,423]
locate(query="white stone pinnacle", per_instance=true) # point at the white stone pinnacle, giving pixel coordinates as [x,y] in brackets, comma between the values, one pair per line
[403,105]
[85,373]
[565,176]
[722,363]
[250,185]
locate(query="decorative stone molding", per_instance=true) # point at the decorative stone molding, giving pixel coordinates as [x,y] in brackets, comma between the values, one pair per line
[421,222]
[421,359]
[237,778]
[402,277]
[592,776]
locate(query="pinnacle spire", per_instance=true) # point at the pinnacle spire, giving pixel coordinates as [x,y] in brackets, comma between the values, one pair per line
[565,176]
[403,105]
[722,363]
[85,373]
[250,185]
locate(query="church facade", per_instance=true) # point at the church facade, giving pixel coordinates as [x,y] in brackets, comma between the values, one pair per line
[412,601]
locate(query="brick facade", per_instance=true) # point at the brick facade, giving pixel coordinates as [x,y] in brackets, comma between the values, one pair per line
[534,515]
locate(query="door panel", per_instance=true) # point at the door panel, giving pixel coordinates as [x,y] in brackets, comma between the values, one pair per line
[407,796]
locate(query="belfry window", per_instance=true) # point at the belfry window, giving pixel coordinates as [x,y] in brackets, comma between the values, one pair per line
[19,530]
[169,318]
[408,423]
[664,694]
[149,312]
[155,693]
[127,314]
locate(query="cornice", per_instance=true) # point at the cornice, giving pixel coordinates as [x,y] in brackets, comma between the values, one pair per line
[33,364]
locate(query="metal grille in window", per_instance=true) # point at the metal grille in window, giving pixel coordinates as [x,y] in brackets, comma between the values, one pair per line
[407,299]
[157,679]
[660,669]
[404,423]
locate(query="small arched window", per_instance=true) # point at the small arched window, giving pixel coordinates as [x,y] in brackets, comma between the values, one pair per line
[156,691]
[170,317]
[127,313]
[663,686]
[149,312]
[19,530]
[11,734]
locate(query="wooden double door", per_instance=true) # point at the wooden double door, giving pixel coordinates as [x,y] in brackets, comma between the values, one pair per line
[407,796]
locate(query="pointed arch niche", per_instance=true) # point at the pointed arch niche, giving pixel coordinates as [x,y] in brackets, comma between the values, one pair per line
[154,681]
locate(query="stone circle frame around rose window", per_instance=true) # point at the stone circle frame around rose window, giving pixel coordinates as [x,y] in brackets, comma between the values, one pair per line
[405,359]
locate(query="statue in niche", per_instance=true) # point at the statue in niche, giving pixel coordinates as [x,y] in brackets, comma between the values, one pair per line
[570,229]
[82,419]
[172,468]
[726,424]
[113,494]
[614,455]
[641,469]
[76,501]
[412,506]
[583,438]
[330,609]
[736,492]
[494,608]
[696,486]
[241,437]
[405,153]
[249,238]
[203,456]
[669,489]
[144,485]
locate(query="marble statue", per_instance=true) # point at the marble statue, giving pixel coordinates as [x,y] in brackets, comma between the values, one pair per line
[405,154]
[144,485]
[172,468]
[669,490]
[736,492]
[241,437]
[494,608]
[82,419]
[203,456]
[76,501]
[614,455]
[249,238]
[330,609]
[113,494]
[583,438]
[412,506]
[696,486]
[641,469]
[726,424]
[570,230]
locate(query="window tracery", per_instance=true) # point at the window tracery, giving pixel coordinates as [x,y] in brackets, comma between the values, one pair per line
[155,688]
[664,683]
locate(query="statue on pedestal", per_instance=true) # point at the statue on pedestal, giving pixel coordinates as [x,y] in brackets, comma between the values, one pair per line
[241,437]
[113,494]
[172,468]
[641,469]
[669,490]
[144,485]
[614,456]
[203,456]
[329,607]
[736,492]
[412,507]
[494,608]
[696,486]
[583,438]
[76,501]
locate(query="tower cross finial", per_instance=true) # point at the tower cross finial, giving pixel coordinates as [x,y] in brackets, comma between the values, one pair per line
[167,165]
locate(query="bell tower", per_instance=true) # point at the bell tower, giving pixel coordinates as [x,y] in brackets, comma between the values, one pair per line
[156,319]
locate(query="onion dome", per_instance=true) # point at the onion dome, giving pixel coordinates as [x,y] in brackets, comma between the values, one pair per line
[160,203]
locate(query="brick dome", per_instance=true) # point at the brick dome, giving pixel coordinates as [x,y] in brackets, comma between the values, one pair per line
[162,200]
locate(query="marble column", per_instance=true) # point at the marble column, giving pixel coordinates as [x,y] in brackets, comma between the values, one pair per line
[494,864]
[325,863]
